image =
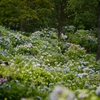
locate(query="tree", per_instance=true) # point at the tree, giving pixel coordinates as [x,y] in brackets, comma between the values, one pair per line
[59,15]
[25,15]
[83,13]
[98,50]
[43,9]
[8,13]
[14,13]
[93,7]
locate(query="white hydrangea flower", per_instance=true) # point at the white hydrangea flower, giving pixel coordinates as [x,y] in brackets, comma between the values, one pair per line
[23,99]
[83,95]
[61,93]
[98,91]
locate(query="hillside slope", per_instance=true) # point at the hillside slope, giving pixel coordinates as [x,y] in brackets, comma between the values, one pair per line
[31,64]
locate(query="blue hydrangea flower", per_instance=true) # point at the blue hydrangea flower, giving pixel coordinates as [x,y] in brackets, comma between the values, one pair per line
[4,53]
[0,38]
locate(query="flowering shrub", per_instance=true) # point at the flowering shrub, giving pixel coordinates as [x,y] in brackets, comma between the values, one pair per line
[70,28]
[31,65]
[84,38]
[75,52]
[26,49]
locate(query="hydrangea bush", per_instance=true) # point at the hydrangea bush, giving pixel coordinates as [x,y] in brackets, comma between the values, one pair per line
[85,38]
[32,65]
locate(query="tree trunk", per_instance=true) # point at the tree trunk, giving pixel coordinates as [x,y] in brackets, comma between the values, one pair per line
[60,19]
[98,50]
[21,26]
[59,32]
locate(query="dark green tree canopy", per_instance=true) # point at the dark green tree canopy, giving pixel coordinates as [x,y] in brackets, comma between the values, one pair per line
[28,15]
[84,13]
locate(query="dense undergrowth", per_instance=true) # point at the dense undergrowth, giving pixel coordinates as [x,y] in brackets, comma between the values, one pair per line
[31,64]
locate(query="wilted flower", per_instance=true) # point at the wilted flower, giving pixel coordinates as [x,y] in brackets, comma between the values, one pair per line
[2,64]
[8,76]
[61,93]
[12,64]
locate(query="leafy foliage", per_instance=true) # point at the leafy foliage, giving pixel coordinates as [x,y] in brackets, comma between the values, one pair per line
[85,38]
[83,18]
[31,65]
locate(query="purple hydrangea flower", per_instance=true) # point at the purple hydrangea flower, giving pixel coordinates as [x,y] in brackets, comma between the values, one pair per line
[2,80]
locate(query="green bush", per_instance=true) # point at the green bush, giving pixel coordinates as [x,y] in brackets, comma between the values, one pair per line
[85,39]
[75,52]
[37,63]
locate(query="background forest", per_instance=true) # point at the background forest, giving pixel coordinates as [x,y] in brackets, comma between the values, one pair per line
[29,15]
[49,43]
